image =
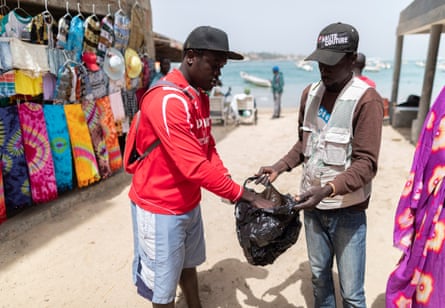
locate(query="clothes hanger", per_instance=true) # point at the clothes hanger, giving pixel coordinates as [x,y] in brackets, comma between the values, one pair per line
[68,60]
[67,14]
[93,15]
[19,9]
[120,10]
[4,9]
[79,13]
[47,16]
[109,9]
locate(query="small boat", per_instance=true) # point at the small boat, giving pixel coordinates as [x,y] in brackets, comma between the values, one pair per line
[420,63]
[261,82]
[376,65]
[304,65]
[372,68]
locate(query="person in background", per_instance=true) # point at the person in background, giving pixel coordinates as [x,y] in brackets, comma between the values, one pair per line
[234,112]
[164,68]
[339,134]
[217,89]
[166,188]
[419,223]
[277,91]
[358,67]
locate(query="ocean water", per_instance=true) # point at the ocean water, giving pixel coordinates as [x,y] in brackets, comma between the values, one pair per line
[296,80]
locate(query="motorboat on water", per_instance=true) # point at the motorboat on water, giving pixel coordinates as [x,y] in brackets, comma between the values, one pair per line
[371,68]
[261,82]
[304,65]
[376,65]
[420,63]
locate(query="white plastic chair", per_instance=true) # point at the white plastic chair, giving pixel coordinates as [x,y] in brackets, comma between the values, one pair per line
[246,109]
[217,109]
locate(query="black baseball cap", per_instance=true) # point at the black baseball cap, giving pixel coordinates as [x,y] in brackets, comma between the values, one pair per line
[209,38]
[334,42]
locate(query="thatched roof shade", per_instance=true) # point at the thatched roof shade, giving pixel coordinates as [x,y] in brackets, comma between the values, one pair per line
[420,15]
[167,48]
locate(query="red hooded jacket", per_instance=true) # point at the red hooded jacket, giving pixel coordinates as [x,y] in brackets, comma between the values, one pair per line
[169,179]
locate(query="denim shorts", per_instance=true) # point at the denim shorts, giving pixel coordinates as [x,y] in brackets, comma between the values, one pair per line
[166,245]
[5,57]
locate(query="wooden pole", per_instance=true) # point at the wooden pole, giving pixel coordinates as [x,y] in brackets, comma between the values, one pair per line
[396,75]
[428,82]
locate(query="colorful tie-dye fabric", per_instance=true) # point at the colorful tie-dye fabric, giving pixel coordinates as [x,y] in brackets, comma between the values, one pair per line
[92,115]
[2,198]
[85,162]
[109,127]
[14,167]
[419,231]
[38,155]
[59,140]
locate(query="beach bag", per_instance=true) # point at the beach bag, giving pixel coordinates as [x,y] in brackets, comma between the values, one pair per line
[132,157]
[264,234]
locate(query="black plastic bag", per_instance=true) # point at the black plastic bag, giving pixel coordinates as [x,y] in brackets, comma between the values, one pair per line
[264,234]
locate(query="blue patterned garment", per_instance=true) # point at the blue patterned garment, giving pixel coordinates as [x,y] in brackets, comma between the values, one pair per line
[15,169]
[75,36]
[121,31]
[60,146]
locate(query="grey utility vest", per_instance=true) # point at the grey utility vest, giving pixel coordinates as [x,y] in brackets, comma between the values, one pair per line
[327,146]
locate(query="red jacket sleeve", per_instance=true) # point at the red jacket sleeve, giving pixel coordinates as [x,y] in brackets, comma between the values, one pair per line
[186,140]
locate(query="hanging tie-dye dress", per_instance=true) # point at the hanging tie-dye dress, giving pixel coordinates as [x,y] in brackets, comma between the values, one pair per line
[60,146]
[17,191]
[38,154]
[419,231]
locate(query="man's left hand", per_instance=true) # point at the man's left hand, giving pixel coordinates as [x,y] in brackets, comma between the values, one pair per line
[312,197]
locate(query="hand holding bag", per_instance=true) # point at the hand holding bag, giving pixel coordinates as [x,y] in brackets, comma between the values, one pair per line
[264,234]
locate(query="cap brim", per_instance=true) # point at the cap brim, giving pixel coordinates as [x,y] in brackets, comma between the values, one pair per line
[94,67]
[234,56]
[325,56]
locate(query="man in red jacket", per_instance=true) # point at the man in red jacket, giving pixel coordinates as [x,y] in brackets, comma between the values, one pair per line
[166,187]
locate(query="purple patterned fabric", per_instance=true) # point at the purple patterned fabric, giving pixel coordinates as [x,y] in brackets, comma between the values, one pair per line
[2,198]
[38,155]
[14,168]
[419,231]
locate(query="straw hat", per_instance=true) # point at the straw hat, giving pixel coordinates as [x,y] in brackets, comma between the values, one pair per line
[133,63]
[114,64]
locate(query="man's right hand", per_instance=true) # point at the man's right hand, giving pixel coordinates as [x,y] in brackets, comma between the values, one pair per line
[272,172]
[266,174]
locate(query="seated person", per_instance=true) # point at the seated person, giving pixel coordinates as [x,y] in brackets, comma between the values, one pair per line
[217,90]
[235,113]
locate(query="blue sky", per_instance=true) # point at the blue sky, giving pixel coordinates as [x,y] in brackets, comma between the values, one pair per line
[289,26]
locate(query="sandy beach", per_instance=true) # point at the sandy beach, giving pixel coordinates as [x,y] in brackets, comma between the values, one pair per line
[82,257]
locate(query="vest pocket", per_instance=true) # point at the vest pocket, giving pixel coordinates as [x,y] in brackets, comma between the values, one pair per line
[307,141]
[336,148]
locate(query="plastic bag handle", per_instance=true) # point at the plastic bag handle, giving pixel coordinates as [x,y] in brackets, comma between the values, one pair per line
[255,177]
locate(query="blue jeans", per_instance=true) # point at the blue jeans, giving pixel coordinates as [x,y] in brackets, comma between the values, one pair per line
[341,234]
